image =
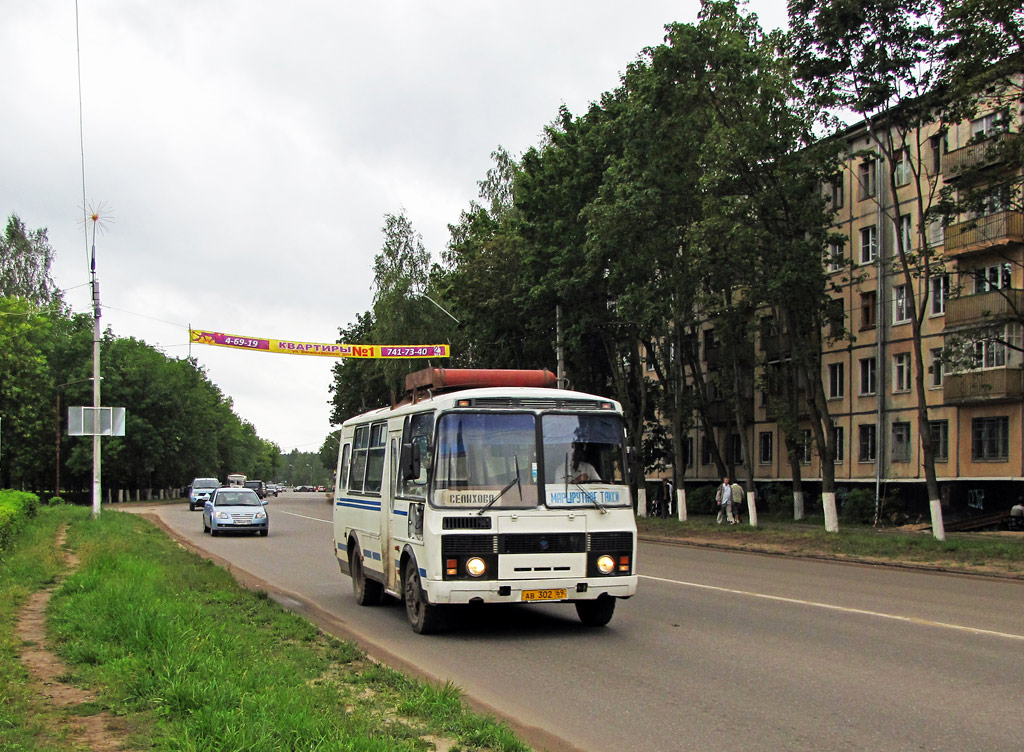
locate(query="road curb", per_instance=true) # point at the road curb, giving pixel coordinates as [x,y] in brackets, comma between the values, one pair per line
[861,561]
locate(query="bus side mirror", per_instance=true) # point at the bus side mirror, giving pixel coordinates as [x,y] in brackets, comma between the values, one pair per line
[409,463]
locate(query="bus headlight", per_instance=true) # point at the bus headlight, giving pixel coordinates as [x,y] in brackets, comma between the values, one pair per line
[475,567]
[605,564]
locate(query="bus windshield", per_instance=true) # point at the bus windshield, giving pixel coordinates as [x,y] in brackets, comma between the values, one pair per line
[583,455]
[486,460]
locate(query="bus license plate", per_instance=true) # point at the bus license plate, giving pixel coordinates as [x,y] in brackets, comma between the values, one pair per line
[556,594]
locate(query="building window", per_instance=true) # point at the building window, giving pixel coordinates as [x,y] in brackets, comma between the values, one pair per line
[987,125]
[900,305]
[905,228]
[903,171]
[705,451]
[990,439]
[939,144]
[868,374]
[901,442]
[936,233]
[838,197]
[996,350]
[806,445]
[868,306]
[836,380]
[867,174]
[765,448]
[868,244]
[901,372]
[940,293]
[835,257]
[935,369]
[867,443]
[840,439]
[735,449]
[989,278]
[939,431]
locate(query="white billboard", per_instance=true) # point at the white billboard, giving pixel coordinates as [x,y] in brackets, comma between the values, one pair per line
[93,421]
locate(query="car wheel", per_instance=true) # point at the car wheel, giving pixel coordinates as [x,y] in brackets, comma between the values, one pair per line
[213,532]
[423,617]
[596,613]
[265,532]
[206,528]
[367,592]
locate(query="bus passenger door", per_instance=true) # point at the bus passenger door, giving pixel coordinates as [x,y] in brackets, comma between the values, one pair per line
[390,528]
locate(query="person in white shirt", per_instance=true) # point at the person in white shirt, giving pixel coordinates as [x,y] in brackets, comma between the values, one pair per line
[723,498]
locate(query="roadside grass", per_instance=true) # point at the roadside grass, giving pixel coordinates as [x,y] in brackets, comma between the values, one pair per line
[971,551]
[193,662]
[29,563]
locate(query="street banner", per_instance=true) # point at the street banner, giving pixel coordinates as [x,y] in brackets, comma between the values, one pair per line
[291,347]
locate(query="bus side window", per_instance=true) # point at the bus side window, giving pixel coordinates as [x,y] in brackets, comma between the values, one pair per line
[343,473]
[375,458]
[418,429]
[362,442]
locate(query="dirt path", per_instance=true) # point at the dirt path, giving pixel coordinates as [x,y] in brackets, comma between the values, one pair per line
[98,731]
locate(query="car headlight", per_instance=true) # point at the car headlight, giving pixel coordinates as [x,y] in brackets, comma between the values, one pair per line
[475,567]
[260,515]
[221,515]
[605,564]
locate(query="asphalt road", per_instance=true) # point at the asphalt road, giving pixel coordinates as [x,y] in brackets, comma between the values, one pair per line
[718,650]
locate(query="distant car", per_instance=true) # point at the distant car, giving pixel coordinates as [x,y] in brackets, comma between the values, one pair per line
[200,491]
[272,489]
[321,488]
[258,486]
[237,509]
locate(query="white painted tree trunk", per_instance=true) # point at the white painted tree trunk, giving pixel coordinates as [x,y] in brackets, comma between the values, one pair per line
[798,505]
[828,501]
[641,502]
[751,509]
[681,504]
[938,526]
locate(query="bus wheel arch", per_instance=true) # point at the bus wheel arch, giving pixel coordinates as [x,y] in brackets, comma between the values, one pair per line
[424,617]
[367,592]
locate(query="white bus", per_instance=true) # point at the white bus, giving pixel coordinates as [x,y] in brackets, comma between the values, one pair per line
[236,480]
[470,493]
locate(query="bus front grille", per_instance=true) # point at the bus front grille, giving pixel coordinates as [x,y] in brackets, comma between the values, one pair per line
[542,543]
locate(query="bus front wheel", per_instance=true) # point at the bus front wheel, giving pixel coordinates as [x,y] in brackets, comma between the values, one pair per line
[596,613]
[423,617]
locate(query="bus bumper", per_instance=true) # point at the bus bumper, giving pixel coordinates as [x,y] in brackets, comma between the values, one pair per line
[536,591]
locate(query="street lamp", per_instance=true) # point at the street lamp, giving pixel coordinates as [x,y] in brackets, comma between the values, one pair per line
[56,481]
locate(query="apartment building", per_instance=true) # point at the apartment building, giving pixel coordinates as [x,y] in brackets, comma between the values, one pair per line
[971,332]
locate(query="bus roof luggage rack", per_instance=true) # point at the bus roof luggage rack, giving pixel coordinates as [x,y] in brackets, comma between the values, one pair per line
[436,380]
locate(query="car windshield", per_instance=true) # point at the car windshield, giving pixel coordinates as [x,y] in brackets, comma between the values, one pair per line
[205,483]
[486,459]
[237,498]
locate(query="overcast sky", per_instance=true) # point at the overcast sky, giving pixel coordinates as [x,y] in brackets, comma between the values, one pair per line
[246,153]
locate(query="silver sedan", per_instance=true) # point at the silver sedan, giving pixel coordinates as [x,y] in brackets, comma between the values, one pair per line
[235,509]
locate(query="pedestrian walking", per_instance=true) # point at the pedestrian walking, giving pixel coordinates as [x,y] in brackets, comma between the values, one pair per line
[723,498]
[738,497]
[670,497]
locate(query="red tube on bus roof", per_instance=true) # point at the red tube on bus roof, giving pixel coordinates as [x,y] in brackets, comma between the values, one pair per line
[474,378]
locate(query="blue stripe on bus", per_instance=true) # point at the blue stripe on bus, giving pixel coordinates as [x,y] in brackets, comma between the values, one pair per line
[401,512]
[423,572]
[368,506]
[343,547]
[376,556]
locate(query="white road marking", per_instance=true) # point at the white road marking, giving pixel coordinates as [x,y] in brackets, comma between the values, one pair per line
[843,609]
[315,519]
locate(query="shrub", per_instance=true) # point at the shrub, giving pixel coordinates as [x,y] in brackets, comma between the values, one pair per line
[701,500]
[16,507]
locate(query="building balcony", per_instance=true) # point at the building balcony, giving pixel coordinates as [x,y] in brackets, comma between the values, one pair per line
[984,308]
[991,385]
[963,162]
[985,233]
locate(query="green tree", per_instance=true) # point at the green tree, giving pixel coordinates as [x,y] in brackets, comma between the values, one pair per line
[25,259]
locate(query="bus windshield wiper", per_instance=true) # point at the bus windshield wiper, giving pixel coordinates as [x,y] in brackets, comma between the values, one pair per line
[593,497]
[588,494]
[513,482]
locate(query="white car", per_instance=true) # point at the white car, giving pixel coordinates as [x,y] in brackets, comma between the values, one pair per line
[200,490]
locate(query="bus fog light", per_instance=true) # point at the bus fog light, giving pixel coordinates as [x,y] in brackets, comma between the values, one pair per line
[605,564]
[476,567]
